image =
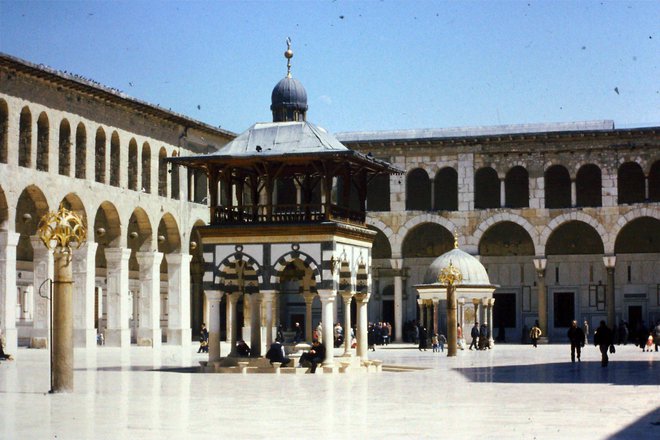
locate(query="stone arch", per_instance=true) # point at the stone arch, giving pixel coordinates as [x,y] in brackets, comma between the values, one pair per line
[397,240]
[4,130]
[630,183]
[99,158]
[627,218]
[169,238]
[306,260]
[43,129]
[236,270]
[445,194]
[506,238]
[654,182]
[25,138]
[418,190]
[132,165]
[557,183]
[115,159]
[107,231]
[146,167]
[381,247]
[486,189]
[4,210]
[139,236]
[32,205]
[72,202]
[427,240]
[81,151]
[64,162]
[568,217]
[574,237]
[162,172]
[484,226]
[589,186]
[640,235]
[516,188]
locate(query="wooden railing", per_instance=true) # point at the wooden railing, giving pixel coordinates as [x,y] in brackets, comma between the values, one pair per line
[303,213]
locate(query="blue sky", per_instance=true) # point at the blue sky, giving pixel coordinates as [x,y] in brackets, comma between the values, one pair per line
[366,65]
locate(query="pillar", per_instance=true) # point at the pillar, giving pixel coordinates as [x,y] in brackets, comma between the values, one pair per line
[8,243]
[232,320]
[435,302]
[475,303]
[213,298]
[502,193]
[362,301]
[347,296]
[491,304]
[255,324]
[84,274]
[149,332]
[309,299]
[327,297]
[43,270]
[461,313]
[397,265]
[117,333]
[62,355]
[573,194]
[420,309]
[268,297]
[610,263]
[452,331]
[178,299]
[540,264]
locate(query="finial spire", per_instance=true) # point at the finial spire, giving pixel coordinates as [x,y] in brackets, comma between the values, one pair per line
[455,238]
[288,54]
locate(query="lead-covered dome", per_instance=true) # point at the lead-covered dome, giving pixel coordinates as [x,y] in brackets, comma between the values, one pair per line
[289,101]
[474,273]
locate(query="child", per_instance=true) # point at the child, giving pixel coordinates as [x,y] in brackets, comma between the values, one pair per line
[649,342]
[434,343]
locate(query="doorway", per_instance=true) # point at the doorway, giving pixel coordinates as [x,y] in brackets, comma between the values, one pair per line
[635,317]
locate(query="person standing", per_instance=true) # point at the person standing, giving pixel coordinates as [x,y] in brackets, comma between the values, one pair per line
[474,333]
[577,337]
[603,340]
[203,340]
[459,337]
[319,332]
[298,336]
[423,334]
[585,330]
[535,333]
[656,335]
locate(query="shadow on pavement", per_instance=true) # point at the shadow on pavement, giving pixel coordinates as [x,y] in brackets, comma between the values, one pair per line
[617,373]
[645,427]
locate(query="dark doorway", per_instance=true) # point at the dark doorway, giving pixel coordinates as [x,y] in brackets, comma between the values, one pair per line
[388,312]
[504,310]
[634,317]
[299,318]
[564,309]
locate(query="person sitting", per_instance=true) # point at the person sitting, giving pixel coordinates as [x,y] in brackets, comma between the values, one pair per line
[314,356]
[242,349]
[276,353]
[4,356]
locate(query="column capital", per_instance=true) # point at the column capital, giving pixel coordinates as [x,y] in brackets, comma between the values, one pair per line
[397,263]
[38,245]
[484,301]
[213,295]
[540,263]
[233,297]
[435,301]
[268,295]
[491,302]
[9,238]
[148,257]
[347,295]
[117,254]
[362,297]
[476,301]
[177,257]
[461,300]
[309,297]
[327,295]
[609,261]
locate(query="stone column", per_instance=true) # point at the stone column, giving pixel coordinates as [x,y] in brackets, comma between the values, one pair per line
[84,274]
[461,313]
[8,243]
[117,333]
[540,264]
[347,296]
[149,332]
[309,299]
[268,297]
[213,297]
[362,301]
[420,307]
[452,330]
[502,193]
[328,297]
[573,193]
[178,299]
[475,303]
[62,356]
[255,324]
[397,265]
[435,302]
[43,270]
[232,321]
[429,317]
[491,303]
[610,264]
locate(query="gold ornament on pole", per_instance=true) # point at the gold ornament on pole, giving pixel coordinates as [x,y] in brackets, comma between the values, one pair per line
[59,231]
[451,276]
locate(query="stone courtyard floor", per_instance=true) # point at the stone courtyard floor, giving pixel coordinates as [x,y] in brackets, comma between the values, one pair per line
[510,392]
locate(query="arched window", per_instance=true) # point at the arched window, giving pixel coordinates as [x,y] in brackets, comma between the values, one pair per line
[115,159]
[445,186]
[516,188]
[418,191]
[64,165]
[588,186]
[630,183]
[486,189]
[132,165]
[557,187]
[146,167]
[25,139]
[654,182]
[4,124]
[162,173]
[378,193]
[43,127]
[99,165]
[81,151]
[175,179]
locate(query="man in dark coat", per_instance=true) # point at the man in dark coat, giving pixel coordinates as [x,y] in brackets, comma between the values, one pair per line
[603,340]
[276,354]
[475,336]
[423,335]
[314,356]
[576,336]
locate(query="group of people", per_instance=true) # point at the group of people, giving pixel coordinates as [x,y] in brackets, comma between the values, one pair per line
[480,336]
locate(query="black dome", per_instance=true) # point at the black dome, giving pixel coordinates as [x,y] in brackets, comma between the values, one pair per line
[289,101]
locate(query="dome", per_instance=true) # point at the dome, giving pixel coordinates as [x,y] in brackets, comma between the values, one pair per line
[289,101]
[474,273]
